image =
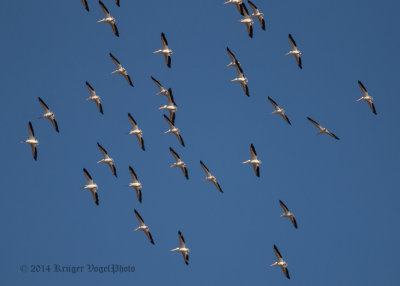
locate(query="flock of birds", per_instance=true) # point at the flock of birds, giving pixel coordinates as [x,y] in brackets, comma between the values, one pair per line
[172,108]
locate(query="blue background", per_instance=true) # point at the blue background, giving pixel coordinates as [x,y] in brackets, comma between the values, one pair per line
[344,193]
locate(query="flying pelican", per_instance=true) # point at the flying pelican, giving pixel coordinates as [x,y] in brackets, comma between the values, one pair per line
[165,50]
[136,184]
[48,114]
[182,248]
[121,70]
[85,4]
[117,2]
[288,214]
[241,78]
[91,186]
[257,14]
[237,4]
[162,89]
[282,264]
[254,161]
[108,19]
[279,110]
[94,97]
[179,163]
[143,227]
[136,131]
[246,20]
[210,177]
[107,160]
[171,106]
[295,52]
[173,129]
[233,58]
[322,129]
[366,97]
[32,141]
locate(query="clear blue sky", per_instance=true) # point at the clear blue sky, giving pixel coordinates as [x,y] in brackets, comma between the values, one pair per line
[344,193]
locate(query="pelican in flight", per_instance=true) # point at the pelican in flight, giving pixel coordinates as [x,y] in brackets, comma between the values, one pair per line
[295,52]
[237,3]
[282,264]
[48,114]
[257,14]
[143,227]
[171,106]
[85,4]
[246,20]
[165,50]
[233,58]
[173,129]
[108,19]
[182,248]
[94,97]
[107,160]
[288,214]
[322,129]
[162,89]
[121,70]
[136,131]
[254,161]
[136,184]
[279,110]
[179,163]
[91,186]
[210,177]
[241,78]
[366,97]
[32,141]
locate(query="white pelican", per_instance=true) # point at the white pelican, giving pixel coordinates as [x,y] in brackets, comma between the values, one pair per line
[257,14]
[173,129]
[108,19]
[241,78]
[322,129]
[32,141]
[246,20]
[237,4]
[171,106]
[121,70]
[233,58]
[85,4]
[143,227]
[366,97]
[107,160]
[254,161]
[136,184]
[282,264]
[295,52]
[91,186]
[165,50]
[117,2]
[179,163]
[288,214]
[94,97]
[210,177]
[182,248]
[162,89]
[48,114]
[279,110]
[136,131]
